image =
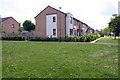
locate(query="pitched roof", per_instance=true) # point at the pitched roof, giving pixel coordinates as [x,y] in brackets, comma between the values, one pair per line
[76,19]
[80,21]
[63,13]
[6,18]
[52,8]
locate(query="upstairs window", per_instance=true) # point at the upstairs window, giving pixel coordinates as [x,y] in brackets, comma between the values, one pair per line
[54,19]
[71,20]
[75,22]
[54,32]
[12,25]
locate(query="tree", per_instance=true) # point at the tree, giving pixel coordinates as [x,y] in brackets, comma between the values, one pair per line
[114,25]
[20,29]
[106,30]
[28,25]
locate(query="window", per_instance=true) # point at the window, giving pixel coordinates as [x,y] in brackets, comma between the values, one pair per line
[71,31]
[75,32]
[54,19]
[75,22]
[54,32]
[12,25]
[71,20]
[81,30]
[78,32]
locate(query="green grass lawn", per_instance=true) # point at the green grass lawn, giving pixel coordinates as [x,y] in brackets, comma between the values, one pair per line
[59,60]
[0,59]
[108,39]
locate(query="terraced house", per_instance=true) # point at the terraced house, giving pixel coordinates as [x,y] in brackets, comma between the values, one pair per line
[54,23]
[9,25]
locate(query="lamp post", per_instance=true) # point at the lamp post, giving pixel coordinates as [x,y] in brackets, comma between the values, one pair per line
[60,23]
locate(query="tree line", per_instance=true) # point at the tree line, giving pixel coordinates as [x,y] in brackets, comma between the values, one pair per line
[113,26]
[27,26]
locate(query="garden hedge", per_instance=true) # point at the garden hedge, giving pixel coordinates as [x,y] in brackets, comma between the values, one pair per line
[85,38]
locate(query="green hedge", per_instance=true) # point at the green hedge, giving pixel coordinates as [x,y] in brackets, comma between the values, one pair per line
[44,39]
[85,38]
[15,38]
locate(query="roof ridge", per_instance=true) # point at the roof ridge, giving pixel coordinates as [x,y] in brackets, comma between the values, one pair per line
[52,8]
[5,18]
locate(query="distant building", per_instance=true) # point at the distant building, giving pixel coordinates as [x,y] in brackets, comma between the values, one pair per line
[54,23]
[90,30]
[96,31]
[9,25]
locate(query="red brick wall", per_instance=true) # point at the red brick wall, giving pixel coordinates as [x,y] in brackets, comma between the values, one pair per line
[40,30]
[7,26]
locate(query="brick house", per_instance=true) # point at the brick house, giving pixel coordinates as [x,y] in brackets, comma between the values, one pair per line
[54,23]
[10,25]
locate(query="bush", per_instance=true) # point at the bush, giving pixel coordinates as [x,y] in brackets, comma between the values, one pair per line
[15,38]
[44,39]
[85,38]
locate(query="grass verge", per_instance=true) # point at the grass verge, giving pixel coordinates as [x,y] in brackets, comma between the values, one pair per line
[109,39]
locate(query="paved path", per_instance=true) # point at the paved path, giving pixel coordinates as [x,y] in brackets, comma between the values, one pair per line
[96,40]
[86,42]
[107,43]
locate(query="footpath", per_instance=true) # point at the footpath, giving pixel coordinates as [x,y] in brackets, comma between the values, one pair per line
[86,42]
[96,40]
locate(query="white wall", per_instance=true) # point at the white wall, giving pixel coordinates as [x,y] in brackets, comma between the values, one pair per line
[75,31]
[84,28]
[68,24]
[50,25]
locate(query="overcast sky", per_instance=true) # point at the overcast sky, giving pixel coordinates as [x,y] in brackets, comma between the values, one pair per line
[95,13]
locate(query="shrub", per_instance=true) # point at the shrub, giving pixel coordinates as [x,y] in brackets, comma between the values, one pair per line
[44,39]
[16,38]
[85,38]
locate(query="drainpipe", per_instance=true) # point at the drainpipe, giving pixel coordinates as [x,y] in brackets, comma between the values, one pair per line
[60,22]
[0,24]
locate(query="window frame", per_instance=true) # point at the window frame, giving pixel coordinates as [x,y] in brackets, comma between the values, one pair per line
[71,31]
[54,32]
[13,25]
[54,19]
[71,20]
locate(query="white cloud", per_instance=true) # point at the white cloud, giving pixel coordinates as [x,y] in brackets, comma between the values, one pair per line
[96,13]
